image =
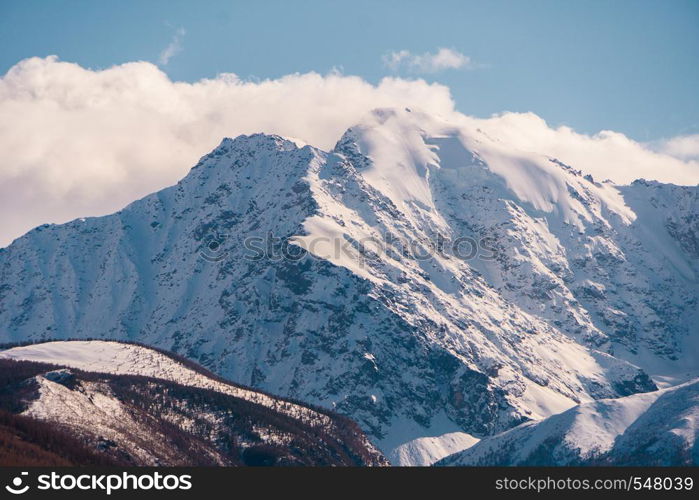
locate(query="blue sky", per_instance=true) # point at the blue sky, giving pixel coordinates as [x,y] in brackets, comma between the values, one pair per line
[629,66]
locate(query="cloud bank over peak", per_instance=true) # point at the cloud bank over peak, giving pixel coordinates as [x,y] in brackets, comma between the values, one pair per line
[606,154]
[78,142]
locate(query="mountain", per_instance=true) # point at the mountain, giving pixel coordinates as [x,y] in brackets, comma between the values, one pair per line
[429,281]
[659,428]
[131,405]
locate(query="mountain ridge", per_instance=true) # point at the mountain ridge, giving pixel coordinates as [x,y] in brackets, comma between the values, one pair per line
[563,302]
[651,429]
[138,406]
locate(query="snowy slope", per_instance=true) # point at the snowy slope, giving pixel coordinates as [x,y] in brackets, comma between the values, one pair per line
[96,413]
[128,359]
[149,420]
[428,450]
[654,429]
[571,279]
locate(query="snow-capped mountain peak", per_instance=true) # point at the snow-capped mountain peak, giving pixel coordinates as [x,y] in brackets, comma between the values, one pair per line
[423,278]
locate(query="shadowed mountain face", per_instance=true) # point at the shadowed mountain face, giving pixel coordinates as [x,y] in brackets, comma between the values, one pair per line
[57,414]
[422,278]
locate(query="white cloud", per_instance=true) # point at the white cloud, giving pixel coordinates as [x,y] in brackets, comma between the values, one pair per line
[684,147]
[605,155]
[426,63]
[173,48]
[76,142]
